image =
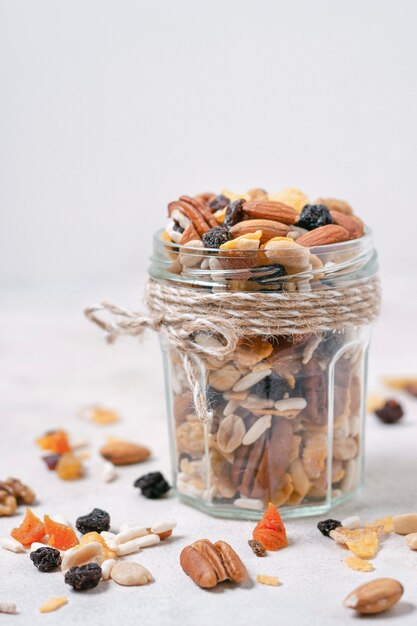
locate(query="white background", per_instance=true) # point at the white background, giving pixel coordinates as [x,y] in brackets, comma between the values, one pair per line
[109,109]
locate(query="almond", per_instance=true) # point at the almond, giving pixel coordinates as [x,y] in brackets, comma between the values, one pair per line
[354,227]
[269,229]
[324,236]
[270,210]
[375,597]
[189,234]
[333,204]
[121,452]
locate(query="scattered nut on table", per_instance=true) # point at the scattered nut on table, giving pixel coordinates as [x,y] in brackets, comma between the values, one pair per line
[129,573]
[375,597]
[208,564]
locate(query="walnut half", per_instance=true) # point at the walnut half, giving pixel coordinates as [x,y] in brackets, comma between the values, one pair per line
[8,503]
[22,493]
[208,564]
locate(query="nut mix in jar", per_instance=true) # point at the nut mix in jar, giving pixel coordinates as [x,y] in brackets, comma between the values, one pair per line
[271,298]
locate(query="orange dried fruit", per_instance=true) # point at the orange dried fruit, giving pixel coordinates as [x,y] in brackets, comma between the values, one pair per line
[61,537]
[359,565]
[69,467]
[385,522]
[363,542]
[56,441]
[95,537]
[30,530]
[366,547]
[270,530]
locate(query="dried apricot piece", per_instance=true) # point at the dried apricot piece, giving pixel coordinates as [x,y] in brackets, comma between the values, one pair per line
[30,530]
[94,537]
[55,441]
[385,522]
[270,530]
[363,542]
[54,603]
[69,467]
[366,547]
[61,536]
[264,579]
[359,565]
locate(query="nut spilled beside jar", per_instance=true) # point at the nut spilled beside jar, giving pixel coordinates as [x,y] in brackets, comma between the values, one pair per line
[273,409]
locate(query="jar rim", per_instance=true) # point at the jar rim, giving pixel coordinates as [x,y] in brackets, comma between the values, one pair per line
[355,260]
[366,239]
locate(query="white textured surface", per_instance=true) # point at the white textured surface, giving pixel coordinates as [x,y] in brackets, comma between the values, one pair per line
[53,363]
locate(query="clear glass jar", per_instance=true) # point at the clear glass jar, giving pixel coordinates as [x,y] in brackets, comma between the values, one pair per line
[287,422]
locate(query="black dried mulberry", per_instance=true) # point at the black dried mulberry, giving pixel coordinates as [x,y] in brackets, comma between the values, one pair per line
[152,485]
[83,577]
[96,521]
[271,388]
[46,559]
[314,215]
[214,237]
[327,525]
[234,213]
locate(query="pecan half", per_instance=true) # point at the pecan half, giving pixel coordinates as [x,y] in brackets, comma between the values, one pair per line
[208,564]
[195,217]
[202,209]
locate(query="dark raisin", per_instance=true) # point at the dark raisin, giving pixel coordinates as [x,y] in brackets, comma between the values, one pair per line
[218,203]
[257,547]
[268,274]
[83,577]
[390,413]
[214,237]
[46,559]
[314,215]
[329,345]
[234,213]
[327,525]
[51,461]
[152,485]
[177,228]
[271,387]
[96,521]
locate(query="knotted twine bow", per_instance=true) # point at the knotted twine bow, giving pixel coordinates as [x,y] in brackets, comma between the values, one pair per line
[190,317]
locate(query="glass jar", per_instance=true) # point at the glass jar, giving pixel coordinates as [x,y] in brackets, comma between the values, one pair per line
[285,411]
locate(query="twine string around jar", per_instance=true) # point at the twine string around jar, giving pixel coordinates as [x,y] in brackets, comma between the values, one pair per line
[184,313]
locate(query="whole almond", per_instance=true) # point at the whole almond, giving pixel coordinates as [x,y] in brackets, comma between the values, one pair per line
[353,226]
[270,210]
[269,229]
[324,236]
[375,597]
[405,524]
[121,452]
[333,204]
